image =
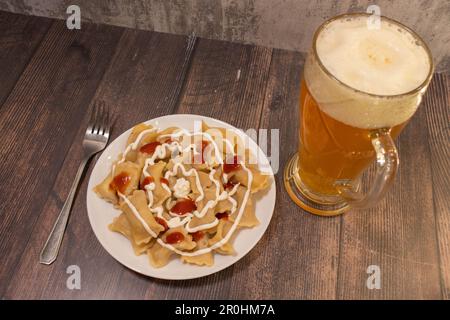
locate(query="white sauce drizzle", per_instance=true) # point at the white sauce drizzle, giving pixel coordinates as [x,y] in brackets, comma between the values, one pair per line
[149,188]
[176,221]
[132,146]
[173,172]
[189,134]
[137,215]
[229,233]
[224,178]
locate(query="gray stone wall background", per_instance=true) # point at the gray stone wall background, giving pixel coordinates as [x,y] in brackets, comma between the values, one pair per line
[285,24]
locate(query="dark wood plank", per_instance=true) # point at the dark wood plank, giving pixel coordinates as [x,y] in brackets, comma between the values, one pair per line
[298,256]
[39,121]
[447,75]
[437,110]
[399,235]
[213,88]
[19,37]
[227,81]
[142,82]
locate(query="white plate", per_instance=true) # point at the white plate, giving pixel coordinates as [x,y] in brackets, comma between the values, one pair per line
[101,213]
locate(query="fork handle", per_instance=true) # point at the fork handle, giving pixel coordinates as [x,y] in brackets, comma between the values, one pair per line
[50,251]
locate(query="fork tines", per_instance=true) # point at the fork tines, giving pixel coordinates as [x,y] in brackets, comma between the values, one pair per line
[99,121]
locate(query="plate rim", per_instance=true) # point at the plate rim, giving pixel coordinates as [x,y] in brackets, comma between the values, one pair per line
[89,193]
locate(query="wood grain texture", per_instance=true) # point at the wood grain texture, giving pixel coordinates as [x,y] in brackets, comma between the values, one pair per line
[39,121]
[437,111]
[139,84]
[142,75]
[19,37]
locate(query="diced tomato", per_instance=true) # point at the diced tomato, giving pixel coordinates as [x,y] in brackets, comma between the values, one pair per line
[164,180]
[184,206]
[229,185]
[162,222]
[196,236]
[222,215]
[230,166]
[120,182]
[200,158]
[150,147]
[204,144]
[174,237]
[146,181]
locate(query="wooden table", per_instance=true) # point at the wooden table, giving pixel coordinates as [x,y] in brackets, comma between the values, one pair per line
[49,80]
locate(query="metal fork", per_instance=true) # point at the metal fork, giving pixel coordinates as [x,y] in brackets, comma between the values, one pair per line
[95,140]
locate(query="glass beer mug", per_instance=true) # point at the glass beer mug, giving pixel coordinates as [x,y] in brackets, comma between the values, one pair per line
[361,85]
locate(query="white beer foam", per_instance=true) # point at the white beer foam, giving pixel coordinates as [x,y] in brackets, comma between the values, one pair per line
[387,61]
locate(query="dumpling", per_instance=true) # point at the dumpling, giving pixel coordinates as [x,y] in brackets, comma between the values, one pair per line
[260,181]
[121,225]
[223,206]
[160,193]
[208,218]
[248,218]
[206,259]
[209,195]
[204,180]
[137,129]
[132,155]
[104,190]
[222,229]
[179,238]
[219,135]
[169,130]
[137,212]
[126,177]
[158,255]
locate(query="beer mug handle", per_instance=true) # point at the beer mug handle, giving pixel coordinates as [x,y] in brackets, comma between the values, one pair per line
[386,168]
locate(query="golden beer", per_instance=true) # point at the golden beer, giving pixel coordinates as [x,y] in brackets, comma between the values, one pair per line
[359,89]
[329,149]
